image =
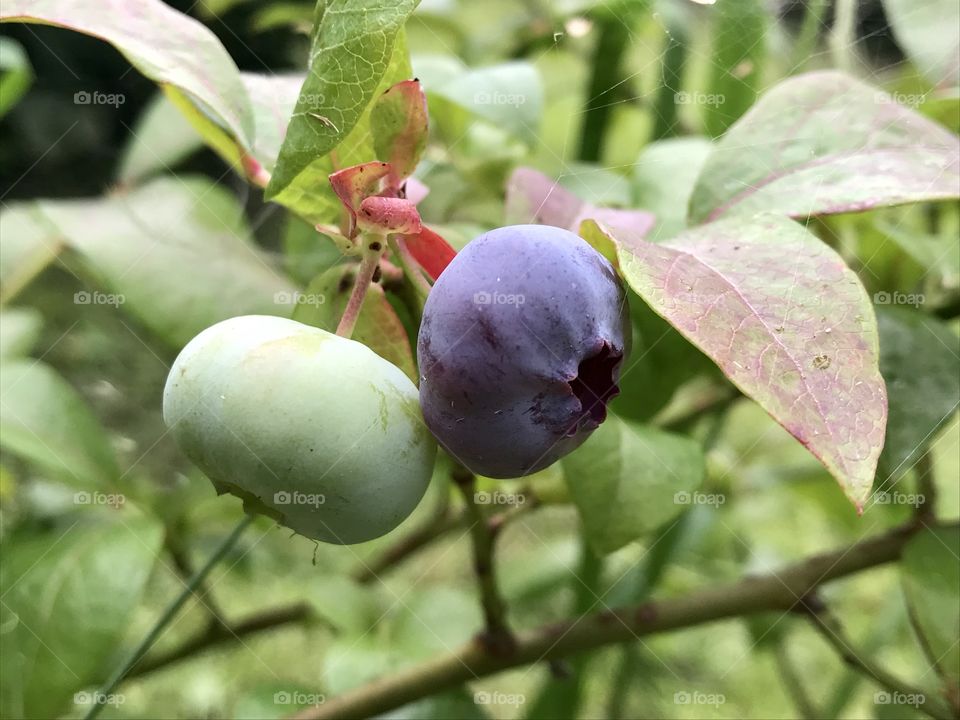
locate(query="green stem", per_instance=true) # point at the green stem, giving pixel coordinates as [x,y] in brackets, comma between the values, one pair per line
[497,636]
[604,79]
[843,36]
[665,102]
[169,614]
[809,32]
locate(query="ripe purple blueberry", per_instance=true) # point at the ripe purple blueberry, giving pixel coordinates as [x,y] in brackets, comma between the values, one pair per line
[520,349]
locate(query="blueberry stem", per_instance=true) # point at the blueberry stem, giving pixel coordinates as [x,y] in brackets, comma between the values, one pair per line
[372,250]
[497,637]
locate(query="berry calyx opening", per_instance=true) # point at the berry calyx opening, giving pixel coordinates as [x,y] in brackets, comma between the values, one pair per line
[594,386]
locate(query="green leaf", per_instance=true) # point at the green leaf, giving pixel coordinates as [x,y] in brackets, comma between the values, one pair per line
[311,196]
[930,573]
[175,253]
[926,30]
[452,704]
[919,361]
[508,95]
[68,597]
[661,360]
[29,245]
[272,98]
[19,331]
[378,326]
[165,45]
[909,228]
[16,75]
[433,621]
[786,321]
[162,137]
[352,60]
[45,421]
[663,179]
[739,49]
[307,253]
[349,607]
[823,143]
[274,700]
[629,479]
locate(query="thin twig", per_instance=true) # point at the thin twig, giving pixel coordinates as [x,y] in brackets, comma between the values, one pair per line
[831,630]
[164,620]
[806,708]
[223,633]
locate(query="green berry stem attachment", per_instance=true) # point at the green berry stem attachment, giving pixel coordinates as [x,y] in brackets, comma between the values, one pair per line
[373,246]
[169,614]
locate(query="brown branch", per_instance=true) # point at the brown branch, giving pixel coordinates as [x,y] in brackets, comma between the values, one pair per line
[750,595]
[220,634]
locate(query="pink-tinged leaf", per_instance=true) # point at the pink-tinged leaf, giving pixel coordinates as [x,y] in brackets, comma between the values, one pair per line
[824,143]
[355,183]
[532,197]
[786,320]
[414,190]
[398,122]
[385,215]
[163,44]
[431,251]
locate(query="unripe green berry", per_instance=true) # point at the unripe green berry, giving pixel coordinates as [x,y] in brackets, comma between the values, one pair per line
[310,428]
